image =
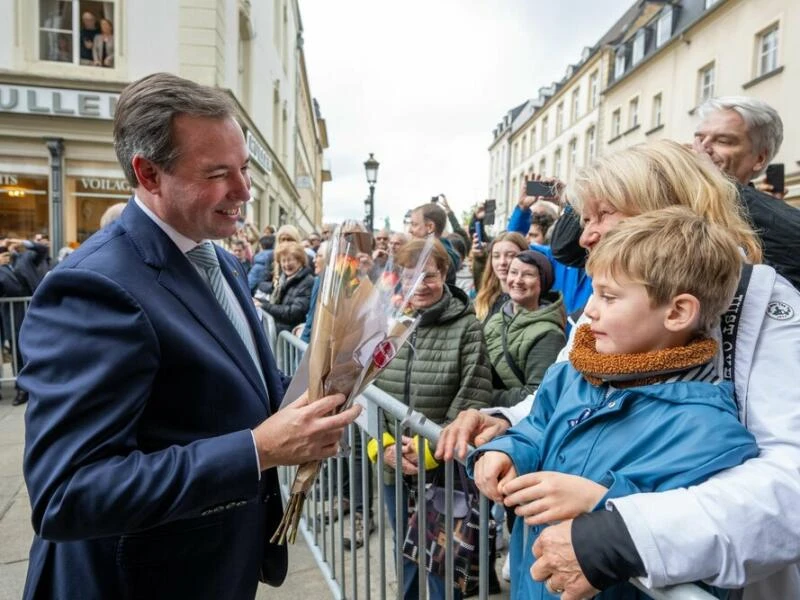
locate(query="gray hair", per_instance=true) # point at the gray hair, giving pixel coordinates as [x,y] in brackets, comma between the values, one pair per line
[146,110]
[112,213]
[764,124]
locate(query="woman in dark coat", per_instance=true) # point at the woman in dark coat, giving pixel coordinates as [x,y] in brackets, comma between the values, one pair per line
[291,297]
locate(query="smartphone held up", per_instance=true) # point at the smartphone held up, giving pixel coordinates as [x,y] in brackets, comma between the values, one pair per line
[540,188]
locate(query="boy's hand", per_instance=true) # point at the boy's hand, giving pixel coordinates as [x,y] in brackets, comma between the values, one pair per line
[548,497]
[492,470]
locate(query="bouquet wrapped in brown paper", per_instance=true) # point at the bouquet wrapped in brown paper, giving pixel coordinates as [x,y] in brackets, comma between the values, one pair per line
[359,325]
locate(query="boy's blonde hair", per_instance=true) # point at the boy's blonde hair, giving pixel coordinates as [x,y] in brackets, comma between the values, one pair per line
[664,173]
[673,251]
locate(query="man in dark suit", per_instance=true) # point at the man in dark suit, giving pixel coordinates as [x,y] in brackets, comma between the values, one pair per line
[152,430]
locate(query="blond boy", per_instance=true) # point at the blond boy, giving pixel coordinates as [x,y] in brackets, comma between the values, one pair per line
[639,406]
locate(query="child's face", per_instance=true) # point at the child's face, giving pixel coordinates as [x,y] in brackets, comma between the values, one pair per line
[624,321]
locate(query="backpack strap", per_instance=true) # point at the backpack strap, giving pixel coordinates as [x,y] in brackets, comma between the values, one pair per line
[730,327]
[753,300]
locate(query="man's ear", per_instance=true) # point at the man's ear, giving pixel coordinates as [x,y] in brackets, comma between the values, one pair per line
[430,228]
[683,313]
[147,173]
[761,162]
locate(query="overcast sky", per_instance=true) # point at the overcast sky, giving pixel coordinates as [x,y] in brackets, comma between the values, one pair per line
[422,84]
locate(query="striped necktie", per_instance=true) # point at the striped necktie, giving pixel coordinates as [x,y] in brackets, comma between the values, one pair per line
[205,258]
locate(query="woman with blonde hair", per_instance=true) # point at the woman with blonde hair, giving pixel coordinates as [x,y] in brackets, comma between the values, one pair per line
[492,292]
[652,176]
[732,513]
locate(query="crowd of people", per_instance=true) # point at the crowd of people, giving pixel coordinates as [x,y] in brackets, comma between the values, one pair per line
[616,354]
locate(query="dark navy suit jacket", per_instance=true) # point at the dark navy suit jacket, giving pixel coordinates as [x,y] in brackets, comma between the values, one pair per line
[139,458]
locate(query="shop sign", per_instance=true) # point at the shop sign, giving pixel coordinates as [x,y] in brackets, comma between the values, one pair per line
[6,179]
[258,153]
[30,100]
[102,184]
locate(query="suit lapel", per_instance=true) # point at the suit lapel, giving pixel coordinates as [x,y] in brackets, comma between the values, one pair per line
[187,285]
[238,281]
[178,275]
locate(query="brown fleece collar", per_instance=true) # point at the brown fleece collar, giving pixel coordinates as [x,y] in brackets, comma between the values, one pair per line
[628,370]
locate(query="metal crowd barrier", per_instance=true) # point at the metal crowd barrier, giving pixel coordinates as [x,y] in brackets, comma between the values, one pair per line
[350,574]
[12,311]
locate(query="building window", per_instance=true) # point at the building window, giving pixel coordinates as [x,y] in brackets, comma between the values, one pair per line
[559,118]
[572,155]
[594,89]
[543,167]
[532,141]
[615,123]
[705,83]
[91,197]
[285,137]
[557,163]
[591,144]
[544,131]
[576,107]
[24,206]
[525,146]
[656,110]
[638,47]
[619,63]
[664,27]
[515,154]
[633,113]
[768,50]
[80,32]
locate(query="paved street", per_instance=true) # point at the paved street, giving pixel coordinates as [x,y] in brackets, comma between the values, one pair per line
[304,580]
[15,528]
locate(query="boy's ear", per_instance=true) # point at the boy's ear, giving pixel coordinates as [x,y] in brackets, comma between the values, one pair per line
[683,313]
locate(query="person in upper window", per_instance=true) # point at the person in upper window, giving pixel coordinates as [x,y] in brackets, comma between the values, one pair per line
[89,30]
[103,47]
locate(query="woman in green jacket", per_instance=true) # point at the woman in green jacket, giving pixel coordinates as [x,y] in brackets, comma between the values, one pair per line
[525,336]
[440,372]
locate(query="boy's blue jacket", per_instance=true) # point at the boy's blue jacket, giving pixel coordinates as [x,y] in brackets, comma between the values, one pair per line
[638,439]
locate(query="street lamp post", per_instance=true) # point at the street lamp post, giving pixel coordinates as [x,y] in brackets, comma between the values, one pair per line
[371,167]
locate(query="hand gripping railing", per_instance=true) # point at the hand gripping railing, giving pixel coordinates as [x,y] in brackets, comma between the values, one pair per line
[350,574]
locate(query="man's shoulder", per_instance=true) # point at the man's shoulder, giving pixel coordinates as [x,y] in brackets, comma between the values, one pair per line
[764,208]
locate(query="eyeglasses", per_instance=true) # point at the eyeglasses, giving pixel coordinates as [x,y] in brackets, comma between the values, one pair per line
[427,278]
[285,238]
[381,238]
